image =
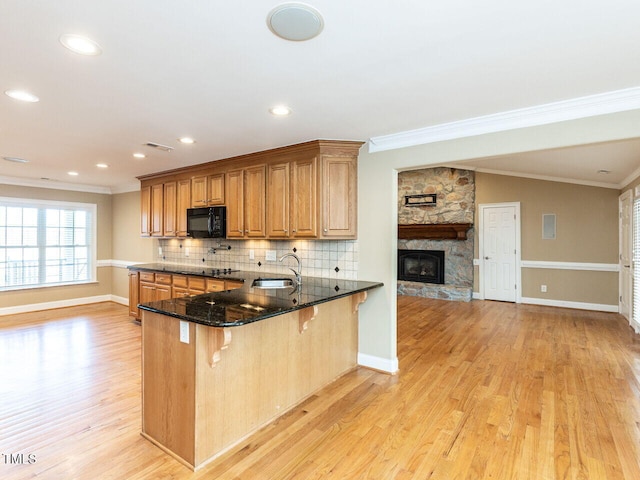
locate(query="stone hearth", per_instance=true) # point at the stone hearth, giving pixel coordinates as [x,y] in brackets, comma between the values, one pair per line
[455,204]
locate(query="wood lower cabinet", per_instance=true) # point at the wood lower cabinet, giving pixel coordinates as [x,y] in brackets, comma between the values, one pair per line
[153,287]
[146,287]
[134,293]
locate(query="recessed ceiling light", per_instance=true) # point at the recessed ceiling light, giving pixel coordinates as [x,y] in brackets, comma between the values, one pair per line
[73,174]
[80,44]
[102,165]
[187,140]
[15,159]
[295,21]
[280,110]
[139,155]
[604,172]
[22,95]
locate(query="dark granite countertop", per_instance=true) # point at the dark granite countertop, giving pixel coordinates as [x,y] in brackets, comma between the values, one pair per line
[247,304]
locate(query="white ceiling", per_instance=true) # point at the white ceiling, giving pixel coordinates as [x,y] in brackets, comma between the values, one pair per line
[211,70]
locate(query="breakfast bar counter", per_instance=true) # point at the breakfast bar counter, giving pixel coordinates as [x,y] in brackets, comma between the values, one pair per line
[217,367]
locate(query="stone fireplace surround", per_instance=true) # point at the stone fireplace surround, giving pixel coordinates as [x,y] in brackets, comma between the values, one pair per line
[455,204]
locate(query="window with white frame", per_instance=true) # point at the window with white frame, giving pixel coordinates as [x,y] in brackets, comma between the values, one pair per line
[46,243]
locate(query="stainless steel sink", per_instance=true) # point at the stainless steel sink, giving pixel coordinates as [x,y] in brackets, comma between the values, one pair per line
[272,283]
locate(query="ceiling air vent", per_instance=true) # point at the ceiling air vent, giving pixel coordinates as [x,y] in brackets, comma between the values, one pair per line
[159,146]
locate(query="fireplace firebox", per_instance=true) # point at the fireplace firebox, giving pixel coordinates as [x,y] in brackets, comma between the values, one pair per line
[425,266]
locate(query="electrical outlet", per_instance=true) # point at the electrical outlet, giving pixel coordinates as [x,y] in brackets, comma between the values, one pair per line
[252,255]
[186,252]
[159,251]
[270,256]
[184,331]
[543,288]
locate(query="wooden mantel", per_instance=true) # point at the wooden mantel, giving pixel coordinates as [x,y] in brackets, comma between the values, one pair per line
[435,231]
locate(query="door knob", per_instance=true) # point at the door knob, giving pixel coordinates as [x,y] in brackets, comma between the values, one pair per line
[487,258]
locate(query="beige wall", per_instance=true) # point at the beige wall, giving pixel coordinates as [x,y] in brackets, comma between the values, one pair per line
[586,232]
[128,245]
[104,248]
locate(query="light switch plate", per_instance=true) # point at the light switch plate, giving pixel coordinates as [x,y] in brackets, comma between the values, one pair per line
[252,255]
[184,331]
[270,256]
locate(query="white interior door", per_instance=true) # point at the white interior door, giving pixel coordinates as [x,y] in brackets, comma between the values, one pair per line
[498,260]
[625,205]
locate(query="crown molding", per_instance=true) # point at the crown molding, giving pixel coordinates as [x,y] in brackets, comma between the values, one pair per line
[127,187]
[74,187]
[533,176]
[573,109]
[630,178]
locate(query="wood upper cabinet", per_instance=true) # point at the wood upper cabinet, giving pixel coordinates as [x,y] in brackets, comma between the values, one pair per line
[199,191]
[255,201]
[207,190]
[157,210]
[235,203]
[339,196]
[246,197]
[304,198]
[292,208]
[215,189]
[145,211]
[183,202]
[169,214]
[307,190]
[163,209]
[278,193]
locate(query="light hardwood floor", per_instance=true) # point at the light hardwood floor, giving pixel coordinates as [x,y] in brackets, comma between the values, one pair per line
[486,390]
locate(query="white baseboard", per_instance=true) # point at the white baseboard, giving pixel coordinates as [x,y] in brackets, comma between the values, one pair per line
[116,263]
[36,307]
[477,296]
[378,363]
[566,304]
[121,300]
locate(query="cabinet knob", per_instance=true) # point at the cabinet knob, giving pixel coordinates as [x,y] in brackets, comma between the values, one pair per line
[295,230]
[324,230]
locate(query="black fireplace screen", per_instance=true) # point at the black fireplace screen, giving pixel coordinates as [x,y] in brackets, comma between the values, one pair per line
[421,266]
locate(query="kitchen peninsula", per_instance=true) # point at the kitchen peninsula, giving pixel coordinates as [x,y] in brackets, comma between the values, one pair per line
[218,366]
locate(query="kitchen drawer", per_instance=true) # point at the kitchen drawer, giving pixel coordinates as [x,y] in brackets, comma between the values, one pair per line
[233,284]
[148,277]
[197,283]
[215,285]
[163,278]
[180,281]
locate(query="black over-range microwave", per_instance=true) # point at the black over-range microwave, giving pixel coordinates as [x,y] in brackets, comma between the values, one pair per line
[207,222]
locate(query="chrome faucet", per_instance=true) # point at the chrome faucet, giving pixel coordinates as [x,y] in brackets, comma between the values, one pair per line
[299,272]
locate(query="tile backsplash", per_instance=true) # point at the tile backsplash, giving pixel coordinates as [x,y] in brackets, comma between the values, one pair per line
[329,259]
